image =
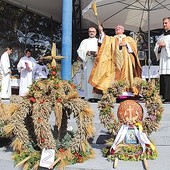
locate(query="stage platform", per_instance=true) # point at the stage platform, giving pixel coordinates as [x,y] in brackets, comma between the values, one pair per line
[161,139]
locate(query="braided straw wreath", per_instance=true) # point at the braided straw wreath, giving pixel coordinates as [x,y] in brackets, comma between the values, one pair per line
[149,124]
[28,124]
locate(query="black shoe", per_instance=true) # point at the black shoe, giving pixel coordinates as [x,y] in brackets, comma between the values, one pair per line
[166,101]
[5,98]
[93,100]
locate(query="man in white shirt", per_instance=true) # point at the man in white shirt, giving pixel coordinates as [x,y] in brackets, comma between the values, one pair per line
[6,74]
[87,51]
[162,52]
[25,67]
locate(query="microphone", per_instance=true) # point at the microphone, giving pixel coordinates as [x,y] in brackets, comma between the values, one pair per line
[159,49]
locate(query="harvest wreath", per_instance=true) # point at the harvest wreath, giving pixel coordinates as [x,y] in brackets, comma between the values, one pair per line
[28,124]
[116,147]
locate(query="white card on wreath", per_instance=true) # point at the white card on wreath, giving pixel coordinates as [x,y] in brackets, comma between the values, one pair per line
[47,157]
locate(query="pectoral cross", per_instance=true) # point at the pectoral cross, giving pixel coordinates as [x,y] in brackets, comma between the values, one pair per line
[120,39]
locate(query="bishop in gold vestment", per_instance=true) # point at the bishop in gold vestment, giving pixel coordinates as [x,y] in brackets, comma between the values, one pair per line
[117,59]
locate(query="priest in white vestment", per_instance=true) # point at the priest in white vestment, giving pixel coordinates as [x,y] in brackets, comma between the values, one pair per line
[5,74]
[87,51]
[40,71]
[162,52]
[25,67]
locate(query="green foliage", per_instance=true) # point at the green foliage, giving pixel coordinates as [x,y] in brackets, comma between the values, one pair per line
[30,152]
[1,129]
[131,153]
[65,142]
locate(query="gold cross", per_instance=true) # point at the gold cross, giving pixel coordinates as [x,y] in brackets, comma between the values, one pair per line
[130,112]
[53,56]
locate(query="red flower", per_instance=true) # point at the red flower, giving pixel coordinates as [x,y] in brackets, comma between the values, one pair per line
[59,100]
[136,156]
[112,151]
[32,99]
[42,140]
[53,73]
[57,85]
[150,152]
[53,67]
[39,120]
[42,101]
[60,150]
[76,154]
[130,157]
[80,160]
[147,145]
[73,86]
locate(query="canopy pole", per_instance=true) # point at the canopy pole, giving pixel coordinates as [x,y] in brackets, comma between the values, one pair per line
[66,39]
[149,50]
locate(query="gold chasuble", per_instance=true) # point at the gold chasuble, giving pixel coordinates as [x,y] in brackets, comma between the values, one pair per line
[115,63]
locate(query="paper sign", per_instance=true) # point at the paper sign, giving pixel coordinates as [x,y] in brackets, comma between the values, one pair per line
[47,157]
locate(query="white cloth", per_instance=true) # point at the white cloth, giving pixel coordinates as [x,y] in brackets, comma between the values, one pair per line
[120,136]
[26,76]
[6,76]
[143,139]
[15,82]
[164,55]
[89,44]
[150,72]
[40,72]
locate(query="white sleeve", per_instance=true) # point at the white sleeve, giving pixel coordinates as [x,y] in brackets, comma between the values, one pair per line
[156,52]
[33,63]
[167,48]
[156,49]
[5,65]
[129,49]
[20,65]
[82,51]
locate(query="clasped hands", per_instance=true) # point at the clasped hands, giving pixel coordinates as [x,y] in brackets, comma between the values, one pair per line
[122,44]
[26,68]
[92,53]
[161,44]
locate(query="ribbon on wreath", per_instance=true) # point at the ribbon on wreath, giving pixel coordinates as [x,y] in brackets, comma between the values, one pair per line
[142,138]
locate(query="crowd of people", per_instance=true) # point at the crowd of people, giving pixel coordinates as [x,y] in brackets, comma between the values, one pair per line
[117,59]
[108,59]
[105,59]
[29,69]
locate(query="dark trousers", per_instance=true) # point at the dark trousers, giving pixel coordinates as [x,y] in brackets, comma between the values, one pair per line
[165,87]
